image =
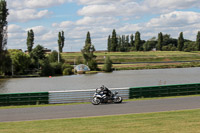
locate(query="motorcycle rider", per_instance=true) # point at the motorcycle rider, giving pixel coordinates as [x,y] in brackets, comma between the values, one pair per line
[106,91]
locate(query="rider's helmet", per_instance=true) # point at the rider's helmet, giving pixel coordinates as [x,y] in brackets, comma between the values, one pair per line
[102,87]
[98,90]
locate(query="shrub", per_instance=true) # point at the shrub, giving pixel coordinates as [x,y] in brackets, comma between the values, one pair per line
[92,64]
[108,65]
[46,68]
[57,67]
[67,71]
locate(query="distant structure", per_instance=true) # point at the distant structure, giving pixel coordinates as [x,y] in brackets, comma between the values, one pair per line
[81,68]
[46,50]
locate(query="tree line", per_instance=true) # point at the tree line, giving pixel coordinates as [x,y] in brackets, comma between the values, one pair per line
[164,42]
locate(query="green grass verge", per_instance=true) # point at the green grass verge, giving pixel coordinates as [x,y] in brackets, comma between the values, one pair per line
[42,105]
[164,122]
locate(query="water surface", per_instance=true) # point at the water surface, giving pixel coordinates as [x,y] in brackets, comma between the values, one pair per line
[117,79]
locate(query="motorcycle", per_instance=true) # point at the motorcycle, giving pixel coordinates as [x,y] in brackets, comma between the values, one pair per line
[100,97]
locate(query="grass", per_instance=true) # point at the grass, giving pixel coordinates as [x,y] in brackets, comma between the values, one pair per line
[164,122]
[154,66]
[152,56]
[134,57]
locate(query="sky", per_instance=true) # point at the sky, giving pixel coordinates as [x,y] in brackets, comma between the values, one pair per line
[99,17]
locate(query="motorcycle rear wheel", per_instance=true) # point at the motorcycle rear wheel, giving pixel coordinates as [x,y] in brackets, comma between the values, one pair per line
[96,101]
[118,100]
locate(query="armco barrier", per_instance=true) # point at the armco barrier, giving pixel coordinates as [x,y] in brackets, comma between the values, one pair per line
[80,95]
[165,90]
[73,96]
[24,98]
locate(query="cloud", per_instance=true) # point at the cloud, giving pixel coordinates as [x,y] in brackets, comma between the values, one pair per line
[120,8]
[168,5]
[13,28]
[175,19]
[38,30]
[25,15]
[170,23]
[133,8]
[33,4]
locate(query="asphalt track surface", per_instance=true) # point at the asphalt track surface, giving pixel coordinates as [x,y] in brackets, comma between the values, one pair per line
[89,110]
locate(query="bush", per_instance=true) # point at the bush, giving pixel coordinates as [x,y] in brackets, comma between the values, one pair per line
[78,60]
[189,46]
[46,68]
[108,65]
[57,67]
[92,64]
[53,57]
[67,71]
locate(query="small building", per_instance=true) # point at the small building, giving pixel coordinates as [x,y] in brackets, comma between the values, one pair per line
[81,68]
[46,50]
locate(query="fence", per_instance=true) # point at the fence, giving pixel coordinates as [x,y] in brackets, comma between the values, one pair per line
[80,95]
[54,97]
[24,98]
[165,90]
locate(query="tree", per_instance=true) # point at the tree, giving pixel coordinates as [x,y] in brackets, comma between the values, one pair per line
[53,57]
[160,41]
[137,41]
[189,46]
[30,40]
[6,64]
[38,54]
[109,44]
[46,68]
[114,41]
[108,65]
[132,41]
[198,41]
[88,53]
[61,41]
[3,31]
[21,62]
[180,42]
[119,45]
[127,43]
[149,45]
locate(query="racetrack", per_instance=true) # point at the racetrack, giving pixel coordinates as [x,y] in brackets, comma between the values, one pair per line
[88,110]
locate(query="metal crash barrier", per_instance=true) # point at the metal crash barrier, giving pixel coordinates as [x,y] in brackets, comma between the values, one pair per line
[80,95]
[77,96]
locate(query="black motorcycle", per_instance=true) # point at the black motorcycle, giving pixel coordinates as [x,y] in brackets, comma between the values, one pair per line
[100,97]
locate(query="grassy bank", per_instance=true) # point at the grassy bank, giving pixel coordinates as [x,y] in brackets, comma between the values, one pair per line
[154,66]
[124,57]
[164,122]
[131,60]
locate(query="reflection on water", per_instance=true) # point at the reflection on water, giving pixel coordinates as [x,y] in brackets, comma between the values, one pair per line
[2,85]
[117,79]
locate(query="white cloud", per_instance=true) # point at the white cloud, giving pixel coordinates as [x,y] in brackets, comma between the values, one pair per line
[171,4]
[133,8]
[38,30]
[13,28]
[26,15]
[33,4]
[175,19]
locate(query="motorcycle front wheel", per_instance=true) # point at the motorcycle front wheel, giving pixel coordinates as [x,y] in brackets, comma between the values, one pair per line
[96,101]
[118,100]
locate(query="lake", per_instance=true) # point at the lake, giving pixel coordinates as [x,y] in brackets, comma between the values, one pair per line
[116,79]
